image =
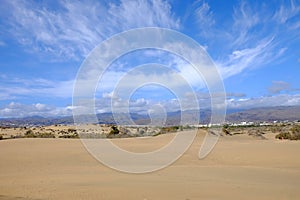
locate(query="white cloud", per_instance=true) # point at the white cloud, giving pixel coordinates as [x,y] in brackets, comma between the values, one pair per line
[14,109]
[141,13]
[286,12]
[204,17]
[122,83]
[144,106]
[253,38]
[279,86]
[73,30]
[11,88]
[251,49]
[244,18]
[265,101]
[249,58]
[6,96]
[109,95]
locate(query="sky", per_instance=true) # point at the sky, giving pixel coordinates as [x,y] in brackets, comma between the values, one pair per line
[43,44]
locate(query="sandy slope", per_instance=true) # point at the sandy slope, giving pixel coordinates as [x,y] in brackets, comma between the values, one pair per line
[240,167]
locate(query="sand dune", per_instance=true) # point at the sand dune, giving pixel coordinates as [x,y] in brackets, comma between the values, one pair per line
[239,167]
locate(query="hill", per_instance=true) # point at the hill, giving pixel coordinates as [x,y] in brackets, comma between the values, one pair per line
[280,113]
[268,114]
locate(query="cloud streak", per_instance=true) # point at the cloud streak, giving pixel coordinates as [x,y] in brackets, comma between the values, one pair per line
[13,110]
[12,88]
[254,37]
[78,26]
[279,86]
[265,101]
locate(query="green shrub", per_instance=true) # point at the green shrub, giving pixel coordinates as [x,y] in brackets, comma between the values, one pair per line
[225,130]
[156,134]
[294,134]
[295,129]
[69,136]
[275,129]
[225,126]
[284,135]
[170,129]
[46,135]
[72,130]
[237,133]
[29,134]
[114,130]
[62,132]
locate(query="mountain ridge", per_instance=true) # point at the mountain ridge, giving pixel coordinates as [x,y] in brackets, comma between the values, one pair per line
[268,114]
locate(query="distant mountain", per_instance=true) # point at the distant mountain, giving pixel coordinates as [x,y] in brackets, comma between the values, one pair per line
[268,114]
[35,120]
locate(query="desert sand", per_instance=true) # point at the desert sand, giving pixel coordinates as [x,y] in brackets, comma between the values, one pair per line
[239,167]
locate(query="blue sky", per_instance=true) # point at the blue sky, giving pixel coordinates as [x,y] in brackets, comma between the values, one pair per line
[254,44]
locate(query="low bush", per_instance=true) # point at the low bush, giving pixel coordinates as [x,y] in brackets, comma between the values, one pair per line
[114,130]
[170,129]
[275,129]
[284,135]
[295,129]
[31,134]
[225,130]
[69,136]
[156,134]
[72,130]
[292,134]
[46,135]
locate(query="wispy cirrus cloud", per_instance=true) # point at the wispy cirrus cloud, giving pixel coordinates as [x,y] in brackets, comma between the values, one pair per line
[204,18]
[142,13]
[76,27]
[254,37]
[249,58]
[244,19]
[287,12]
